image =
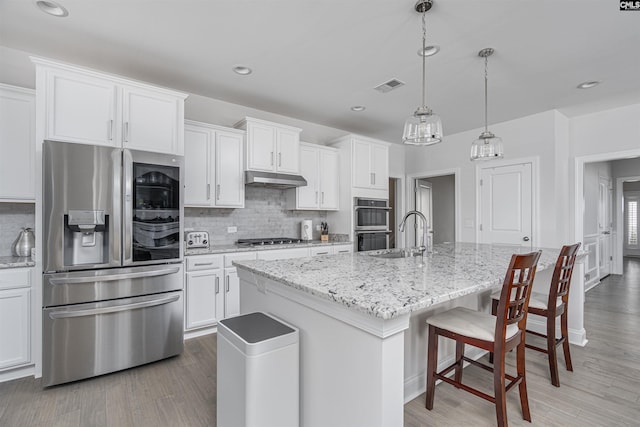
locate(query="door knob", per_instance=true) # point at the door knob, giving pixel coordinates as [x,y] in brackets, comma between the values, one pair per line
[525,238]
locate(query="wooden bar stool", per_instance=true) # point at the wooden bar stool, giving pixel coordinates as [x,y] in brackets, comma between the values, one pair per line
[551,306]
[497,334]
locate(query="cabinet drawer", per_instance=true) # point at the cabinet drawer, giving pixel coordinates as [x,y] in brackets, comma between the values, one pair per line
[240,256]
[203,262]
[343,249]
[322,250]
[15,278]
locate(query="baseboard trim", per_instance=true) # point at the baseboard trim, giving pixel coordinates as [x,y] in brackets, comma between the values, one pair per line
[14,374]
[200,332]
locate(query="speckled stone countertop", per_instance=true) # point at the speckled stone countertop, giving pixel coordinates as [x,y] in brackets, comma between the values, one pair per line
[218,249]
[387,288]
[16,262]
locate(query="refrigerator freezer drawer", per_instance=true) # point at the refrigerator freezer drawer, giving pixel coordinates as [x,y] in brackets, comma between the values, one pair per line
[86,340]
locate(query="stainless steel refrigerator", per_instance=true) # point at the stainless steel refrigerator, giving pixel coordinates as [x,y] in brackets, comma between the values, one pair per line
[112,259]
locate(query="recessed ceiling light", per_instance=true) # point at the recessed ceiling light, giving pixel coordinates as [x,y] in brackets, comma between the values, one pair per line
[242,70]
[52,8]
[429,50]
[358,108]
[588,85]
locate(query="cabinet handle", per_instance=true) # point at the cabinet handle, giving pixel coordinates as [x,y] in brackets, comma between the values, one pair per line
[126,132]
[272,158]
[217,285]
[371,178]
[200,264]
[110,130]
[218,192]
[208,191]
[322,253]
[322,202]
[280,159]
[227,284]
[316,197]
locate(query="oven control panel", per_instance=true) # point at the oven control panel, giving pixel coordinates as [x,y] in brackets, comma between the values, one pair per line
[197,239]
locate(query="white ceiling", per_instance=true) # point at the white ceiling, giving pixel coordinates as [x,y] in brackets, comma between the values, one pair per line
[314,59]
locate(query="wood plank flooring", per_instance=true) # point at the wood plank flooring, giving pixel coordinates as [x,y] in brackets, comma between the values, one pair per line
[603,390]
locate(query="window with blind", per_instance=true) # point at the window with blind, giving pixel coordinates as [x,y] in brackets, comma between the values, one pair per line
[632,223]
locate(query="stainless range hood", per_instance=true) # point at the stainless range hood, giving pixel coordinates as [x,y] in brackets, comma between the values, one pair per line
[273,180]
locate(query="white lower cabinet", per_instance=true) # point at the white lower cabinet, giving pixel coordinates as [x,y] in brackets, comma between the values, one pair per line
[203,281]
[15,318]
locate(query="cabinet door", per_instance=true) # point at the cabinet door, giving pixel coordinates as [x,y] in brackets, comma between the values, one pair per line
[231,292]
[261,147]
[197,182]
[308,197]
[329,180]
[15,327]
[202,294]
[361,155]
[80,109]
[288,148]
[150,121]
[380,166]
[229,173]
[17,144]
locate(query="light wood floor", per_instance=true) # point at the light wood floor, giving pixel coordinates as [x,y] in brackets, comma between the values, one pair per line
[603,390]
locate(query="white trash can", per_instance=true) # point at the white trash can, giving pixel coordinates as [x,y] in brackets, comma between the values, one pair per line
[258,372]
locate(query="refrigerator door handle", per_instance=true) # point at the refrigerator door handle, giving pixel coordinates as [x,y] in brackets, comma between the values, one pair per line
[114,277]
[127,207]
[114,308]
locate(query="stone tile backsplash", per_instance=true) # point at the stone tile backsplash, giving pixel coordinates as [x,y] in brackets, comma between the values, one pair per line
[14,217]
[265,215]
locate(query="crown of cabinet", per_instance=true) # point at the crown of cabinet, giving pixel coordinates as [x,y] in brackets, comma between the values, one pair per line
[90,107]
[270,147]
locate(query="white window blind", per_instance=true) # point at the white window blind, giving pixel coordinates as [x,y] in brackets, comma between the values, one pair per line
[632,223]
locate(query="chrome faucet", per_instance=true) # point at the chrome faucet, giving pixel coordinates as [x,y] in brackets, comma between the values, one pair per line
[425,236]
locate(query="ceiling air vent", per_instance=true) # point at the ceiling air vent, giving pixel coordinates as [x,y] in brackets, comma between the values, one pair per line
[389,85]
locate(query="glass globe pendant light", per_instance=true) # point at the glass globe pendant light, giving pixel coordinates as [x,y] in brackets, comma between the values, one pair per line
[423,127]
[487,146]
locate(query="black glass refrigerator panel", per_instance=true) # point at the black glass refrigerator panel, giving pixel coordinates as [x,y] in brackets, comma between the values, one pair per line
[156,212]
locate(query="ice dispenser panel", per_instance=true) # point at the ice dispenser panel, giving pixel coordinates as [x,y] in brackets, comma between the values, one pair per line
[86,237]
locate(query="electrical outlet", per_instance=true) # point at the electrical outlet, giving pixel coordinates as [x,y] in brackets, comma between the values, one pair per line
[232,229]
[318,227]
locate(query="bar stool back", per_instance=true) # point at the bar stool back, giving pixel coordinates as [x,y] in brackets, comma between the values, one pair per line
[497,334]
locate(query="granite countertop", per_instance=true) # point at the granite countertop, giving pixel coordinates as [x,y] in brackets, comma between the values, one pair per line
[387,288]
[16,262]
[218,249]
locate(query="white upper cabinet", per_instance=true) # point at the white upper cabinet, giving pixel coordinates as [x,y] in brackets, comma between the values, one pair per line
[214,174]
[271,147]
[17,144]
[89,107]
[370,165]
[319,166]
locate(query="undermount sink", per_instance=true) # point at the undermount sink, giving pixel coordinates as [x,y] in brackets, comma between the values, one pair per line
[399,253]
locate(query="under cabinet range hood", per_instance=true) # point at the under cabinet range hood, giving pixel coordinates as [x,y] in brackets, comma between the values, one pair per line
[273,180]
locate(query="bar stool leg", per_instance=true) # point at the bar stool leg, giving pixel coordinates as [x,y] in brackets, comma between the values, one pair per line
[522,387]
[551,352]
[459,361]
[499,388]
[565,344]
[432,365]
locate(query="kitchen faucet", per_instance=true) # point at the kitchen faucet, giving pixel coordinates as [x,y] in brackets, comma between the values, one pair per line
[426,243]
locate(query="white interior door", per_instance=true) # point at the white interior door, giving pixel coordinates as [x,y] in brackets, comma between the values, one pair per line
[506,205]
[605,225]
[424,204]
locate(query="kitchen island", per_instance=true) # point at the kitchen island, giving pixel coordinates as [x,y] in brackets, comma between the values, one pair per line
[362,321]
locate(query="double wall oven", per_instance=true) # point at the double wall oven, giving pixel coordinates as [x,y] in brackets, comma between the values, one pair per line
[371,219]
[112,259]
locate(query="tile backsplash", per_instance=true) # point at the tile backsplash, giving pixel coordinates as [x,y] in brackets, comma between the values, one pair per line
[14,217]
[265,215]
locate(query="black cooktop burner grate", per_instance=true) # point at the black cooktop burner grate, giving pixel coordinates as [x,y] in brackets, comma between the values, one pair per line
[268,241]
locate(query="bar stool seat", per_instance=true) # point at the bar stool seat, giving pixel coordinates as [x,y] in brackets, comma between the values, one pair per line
[496,334]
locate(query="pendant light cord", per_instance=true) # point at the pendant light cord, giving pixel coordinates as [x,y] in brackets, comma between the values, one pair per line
[486,102]
[424,58]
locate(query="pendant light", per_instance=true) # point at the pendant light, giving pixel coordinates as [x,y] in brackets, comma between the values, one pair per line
[423,127]
[487,146]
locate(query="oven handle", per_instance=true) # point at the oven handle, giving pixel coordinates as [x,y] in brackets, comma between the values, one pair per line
[114,277]
[113,309]
[380,208]
[374,232]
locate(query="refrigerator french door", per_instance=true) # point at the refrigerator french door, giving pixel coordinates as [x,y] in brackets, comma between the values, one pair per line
[112,289]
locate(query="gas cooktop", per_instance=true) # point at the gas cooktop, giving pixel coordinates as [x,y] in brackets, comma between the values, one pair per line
[268,241]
